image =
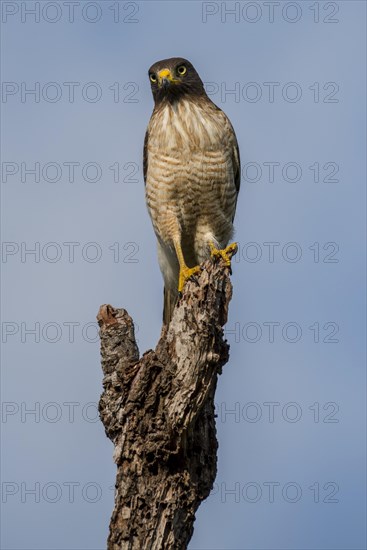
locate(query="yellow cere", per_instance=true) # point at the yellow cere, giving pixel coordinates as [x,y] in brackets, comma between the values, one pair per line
[165,73]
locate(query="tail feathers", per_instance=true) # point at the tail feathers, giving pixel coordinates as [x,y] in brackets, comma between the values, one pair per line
[169,301]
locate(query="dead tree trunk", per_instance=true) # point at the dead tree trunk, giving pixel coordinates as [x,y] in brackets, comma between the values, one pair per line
[159,413]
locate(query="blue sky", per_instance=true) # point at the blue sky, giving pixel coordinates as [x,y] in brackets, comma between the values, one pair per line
[291,400]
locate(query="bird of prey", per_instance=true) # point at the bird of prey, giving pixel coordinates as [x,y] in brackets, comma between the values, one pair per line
[191,173]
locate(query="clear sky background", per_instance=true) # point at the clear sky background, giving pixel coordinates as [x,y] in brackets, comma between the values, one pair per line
[291,400]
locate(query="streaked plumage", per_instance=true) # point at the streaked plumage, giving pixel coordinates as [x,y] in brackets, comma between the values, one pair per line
[191,170]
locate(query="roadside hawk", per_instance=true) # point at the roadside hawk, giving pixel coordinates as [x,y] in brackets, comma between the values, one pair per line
[191,174]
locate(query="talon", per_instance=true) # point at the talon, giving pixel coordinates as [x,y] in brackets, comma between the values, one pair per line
[185,274]
[225,253]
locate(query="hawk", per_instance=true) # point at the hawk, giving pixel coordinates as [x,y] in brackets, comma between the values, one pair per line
[192,175]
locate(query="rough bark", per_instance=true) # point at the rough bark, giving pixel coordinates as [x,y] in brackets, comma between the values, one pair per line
[159,413]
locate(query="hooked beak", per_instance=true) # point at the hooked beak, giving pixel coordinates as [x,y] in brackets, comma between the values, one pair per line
[165,78]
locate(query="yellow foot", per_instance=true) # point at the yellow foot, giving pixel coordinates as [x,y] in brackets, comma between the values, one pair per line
[225,253]
[185,274]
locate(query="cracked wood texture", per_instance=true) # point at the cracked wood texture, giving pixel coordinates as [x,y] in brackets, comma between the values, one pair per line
[158,410]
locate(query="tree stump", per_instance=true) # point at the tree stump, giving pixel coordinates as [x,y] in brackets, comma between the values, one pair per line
[159,413]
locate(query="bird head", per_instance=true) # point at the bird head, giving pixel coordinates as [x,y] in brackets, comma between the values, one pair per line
[174,77]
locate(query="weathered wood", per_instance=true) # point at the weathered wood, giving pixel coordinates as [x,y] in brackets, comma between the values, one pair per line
[159,413]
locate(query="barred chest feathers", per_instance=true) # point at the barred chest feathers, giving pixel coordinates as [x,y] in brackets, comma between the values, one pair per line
[190,180]
[187,125]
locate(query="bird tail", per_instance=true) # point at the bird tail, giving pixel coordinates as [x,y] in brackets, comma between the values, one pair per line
[169,301]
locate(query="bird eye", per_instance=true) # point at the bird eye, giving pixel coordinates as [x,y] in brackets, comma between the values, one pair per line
[181,70]
[153,77]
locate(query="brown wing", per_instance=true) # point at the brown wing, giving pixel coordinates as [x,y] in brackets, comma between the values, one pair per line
[235,152]
[236,165]
[236,161]
[145,156]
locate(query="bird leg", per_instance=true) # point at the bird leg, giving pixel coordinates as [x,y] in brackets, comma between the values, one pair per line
[224,253]
[185,271]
